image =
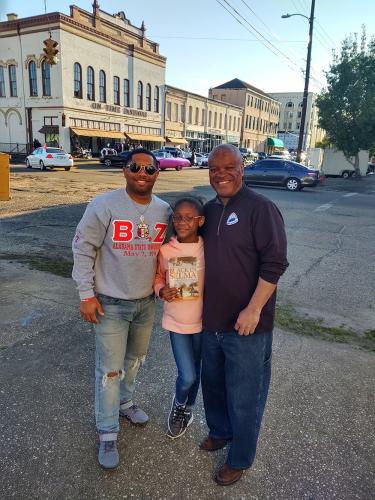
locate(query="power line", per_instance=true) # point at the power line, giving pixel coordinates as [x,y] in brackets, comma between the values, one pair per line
[223,39]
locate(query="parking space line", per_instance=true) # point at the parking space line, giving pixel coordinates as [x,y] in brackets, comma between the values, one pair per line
[349,194]
[324,207]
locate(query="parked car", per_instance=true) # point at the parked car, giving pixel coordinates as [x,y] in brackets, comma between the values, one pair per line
[281,155]
[49,157]
[262,155]
[107,152]
[116,160]
[202,159]
[166,160]
[289,174]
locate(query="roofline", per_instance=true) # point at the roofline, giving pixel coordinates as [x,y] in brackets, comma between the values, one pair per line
[187,92]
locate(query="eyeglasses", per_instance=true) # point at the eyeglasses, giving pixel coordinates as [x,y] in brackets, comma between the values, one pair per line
[184,218]
[135,169]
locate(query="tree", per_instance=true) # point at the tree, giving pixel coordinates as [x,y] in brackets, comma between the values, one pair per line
[347,105]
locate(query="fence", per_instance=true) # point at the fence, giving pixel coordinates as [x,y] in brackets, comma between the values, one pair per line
[14,148]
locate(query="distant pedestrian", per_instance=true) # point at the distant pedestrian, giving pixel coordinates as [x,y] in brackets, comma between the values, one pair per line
[193,159]
[115,252]
[36,144]
[179,282]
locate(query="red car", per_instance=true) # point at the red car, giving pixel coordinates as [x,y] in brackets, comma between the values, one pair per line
[166,160]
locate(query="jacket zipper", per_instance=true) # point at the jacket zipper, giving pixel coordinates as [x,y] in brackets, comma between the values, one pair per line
[221,217]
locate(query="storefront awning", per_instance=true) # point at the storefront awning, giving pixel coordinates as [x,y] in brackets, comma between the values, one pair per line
[176,140]
[49,129]
[273,141]
[144,137]
[96,132]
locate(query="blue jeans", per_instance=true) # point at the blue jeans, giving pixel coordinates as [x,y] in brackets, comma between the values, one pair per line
[236,372]
[122,339]
[186,349]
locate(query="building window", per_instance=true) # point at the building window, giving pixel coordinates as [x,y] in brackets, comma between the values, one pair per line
[169,111]
[140,95]
[12,80]
[148,97]
[230,122]
[116,90]
[102,87]
[126,93]
[215,119]
[32,79]
[156,99]
[2,82]
[220,120]
[190,114]
[196,116]
[183,110]
[77,80]
[289,104]
[176,112]
[46,78]
[209,118]
[90,84]
[203,117]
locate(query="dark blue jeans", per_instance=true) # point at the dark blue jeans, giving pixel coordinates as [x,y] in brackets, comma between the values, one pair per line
[236,372]
[186,349]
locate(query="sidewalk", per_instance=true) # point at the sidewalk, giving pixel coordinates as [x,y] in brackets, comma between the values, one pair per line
[317,439]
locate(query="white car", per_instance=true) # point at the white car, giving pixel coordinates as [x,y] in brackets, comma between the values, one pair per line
[202,159]
[49,157]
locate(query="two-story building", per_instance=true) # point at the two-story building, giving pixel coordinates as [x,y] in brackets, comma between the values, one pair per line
[106,87]
[260,113]
[200,122]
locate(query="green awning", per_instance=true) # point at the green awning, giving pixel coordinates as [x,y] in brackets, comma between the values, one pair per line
[273,141]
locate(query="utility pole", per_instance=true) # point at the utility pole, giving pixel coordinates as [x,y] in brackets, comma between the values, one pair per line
[307,78]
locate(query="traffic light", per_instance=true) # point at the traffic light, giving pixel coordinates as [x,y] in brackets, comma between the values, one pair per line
[50,50]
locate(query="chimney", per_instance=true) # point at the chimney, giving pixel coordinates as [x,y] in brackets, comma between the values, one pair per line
[12,16]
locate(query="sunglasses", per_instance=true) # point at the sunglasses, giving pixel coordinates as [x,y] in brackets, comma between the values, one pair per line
[135,169]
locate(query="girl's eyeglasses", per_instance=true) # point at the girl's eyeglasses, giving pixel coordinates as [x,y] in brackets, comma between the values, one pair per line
[135,169]
[184,218]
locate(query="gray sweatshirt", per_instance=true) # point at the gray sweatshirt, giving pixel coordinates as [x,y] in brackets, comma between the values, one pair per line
[116,246]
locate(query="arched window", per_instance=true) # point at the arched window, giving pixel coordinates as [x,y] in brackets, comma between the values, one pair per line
[209,118]
[300,105]
[196,116]
[102,87]
[190,120]
[12,80]
[140,95]
[90,84]
[2,82]
[156,99]
[77,80]
[116,90]
[215,119]
[220,120]
[289,104]
[148,97]
[46,78]
[32,79]
[126,93]
[203,117]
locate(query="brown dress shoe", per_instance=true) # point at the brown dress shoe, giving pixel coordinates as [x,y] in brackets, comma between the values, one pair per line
[227,475]
[212,444]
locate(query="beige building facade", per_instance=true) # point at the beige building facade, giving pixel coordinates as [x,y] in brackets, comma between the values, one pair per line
[290,120]
[195,121]
[107,86]
[260,112]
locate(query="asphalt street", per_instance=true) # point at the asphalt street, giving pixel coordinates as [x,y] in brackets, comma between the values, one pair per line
[317,440]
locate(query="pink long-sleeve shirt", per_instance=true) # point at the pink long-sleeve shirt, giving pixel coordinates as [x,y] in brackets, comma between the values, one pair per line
[181,316]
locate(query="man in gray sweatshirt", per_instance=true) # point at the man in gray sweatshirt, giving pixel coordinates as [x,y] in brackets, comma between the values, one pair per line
[115,250]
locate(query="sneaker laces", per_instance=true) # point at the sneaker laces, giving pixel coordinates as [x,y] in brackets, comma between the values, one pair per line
[179,412]
[109,446]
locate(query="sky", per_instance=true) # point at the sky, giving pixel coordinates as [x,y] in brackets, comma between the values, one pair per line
[207,42]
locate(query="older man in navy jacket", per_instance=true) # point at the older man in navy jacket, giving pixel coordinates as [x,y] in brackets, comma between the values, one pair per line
[245,254]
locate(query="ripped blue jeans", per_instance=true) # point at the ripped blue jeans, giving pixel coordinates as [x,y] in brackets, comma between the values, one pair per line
[121,340]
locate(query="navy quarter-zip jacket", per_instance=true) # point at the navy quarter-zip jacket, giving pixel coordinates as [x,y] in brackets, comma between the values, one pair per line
[243,240]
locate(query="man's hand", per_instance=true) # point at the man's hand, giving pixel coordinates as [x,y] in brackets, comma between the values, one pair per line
[90,309]
[247,320]
[167,293]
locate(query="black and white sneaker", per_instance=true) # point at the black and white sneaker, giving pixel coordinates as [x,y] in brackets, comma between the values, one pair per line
[179,419]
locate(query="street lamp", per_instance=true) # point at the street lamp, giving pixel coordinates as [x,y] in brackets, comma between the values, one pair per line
[307,75]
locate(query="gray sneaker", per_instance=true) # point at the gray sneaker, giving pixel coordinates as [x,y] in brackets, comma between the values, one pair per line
[108,454]
[179,419]
[135,415]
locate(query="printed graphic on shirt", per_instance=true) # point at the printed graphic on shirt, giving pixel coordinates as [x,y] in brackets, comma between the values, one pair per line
[232,219]
[138,240]
[183,275]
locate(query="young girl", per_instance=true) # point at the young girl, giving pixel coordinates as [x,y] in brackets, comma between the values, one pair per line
[179,282]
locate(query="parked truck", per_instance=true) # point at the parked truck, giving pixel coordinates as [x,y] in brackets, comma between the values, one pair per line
[336,164]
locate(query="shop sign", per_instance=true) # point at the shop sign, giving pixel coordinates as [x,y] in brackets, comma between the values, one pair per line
[118,109]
